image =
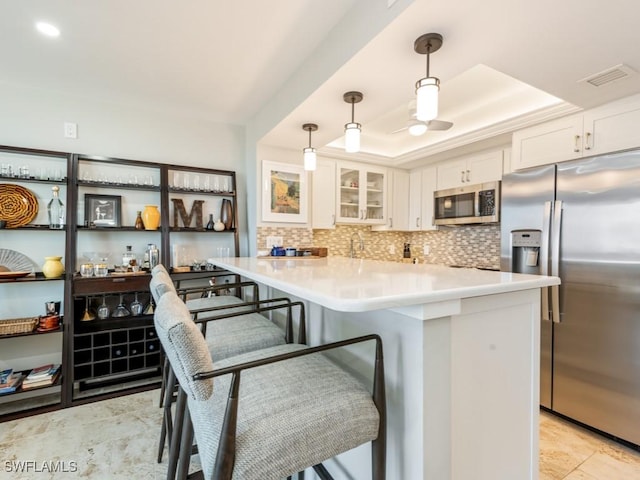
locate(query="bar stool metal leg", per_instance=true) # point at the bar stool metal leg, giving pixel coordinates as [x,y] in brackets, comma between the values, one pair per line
[167,418]
[174,448]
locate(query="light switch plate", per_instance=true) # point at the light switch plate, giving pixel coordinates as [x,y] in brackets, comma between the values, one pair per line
[70,130]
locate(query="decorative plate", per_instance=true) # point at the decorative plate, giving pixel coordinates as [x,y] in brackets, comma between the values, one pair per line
[18,205]
[13,275]
[14,262]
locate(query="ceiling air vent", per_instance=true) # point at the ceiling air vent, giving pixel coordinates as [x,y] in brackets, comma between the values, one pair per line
[609,75]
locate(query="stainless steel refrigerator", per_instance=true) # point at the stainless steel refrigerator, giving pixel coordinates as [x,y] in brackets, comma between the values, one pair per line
[580,220]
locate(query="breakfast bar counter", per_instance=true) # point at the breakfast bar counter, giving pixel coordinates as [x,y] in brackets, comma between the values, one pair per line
[461,351]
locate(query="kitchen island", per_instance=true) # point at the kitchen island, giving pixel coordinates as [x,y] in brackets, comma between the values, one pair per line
[461,350]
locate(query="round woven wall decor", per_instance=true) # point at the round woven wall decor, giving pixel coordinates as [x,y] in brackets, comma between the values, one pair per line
[18,205]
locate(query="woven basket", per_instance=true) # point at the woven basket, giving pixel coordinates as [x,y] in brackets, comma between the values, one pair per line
[18,325]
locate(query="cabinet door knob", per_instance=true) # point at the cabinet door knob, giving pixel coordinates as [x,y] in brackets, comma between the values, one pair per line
[586,141]
[417,222]
[462,176]
[468,175]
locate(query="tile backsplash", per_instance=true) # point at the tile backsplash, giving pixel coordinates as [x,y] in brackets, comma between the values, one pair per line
[472,246]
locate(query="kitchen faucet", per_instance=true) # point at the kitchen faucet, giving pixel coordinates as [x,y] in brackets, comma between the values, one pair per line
[352,252]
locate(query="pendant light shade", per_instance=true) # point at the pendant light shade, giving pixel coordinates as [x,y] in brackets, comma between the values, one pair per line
[310,158]
[427,88]
[352,137]
[352,130]
[309,153]
[427,98]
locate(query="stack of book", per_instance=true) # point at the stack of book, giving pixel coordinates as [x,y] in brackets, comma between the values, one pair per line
[9,381]
[41,376]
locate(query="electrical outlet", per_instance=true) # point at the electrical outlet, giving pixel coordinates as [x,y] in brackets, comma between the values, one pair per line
[70,130]
[274,241]
[426,249]
[392,249]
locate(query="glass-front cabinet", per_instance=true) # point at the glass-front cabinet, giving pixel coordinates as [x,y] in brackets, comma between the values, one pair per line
[361,193]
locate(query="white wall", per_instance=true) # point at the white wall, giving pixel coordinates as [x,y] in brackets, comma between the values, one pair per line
[34,118]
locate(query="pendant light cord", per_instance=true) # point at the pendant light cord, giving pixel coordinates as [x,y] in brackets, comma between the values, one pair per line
[428,55]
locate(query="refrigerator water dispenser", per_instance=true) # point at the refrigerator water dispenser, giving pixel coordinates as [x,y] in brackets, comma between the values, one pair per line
[525,254]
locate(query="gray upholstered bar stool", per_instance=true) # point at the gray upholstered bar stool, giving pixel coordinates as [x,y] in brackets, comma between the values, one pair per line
[266,334]
[294,412]
[238,328]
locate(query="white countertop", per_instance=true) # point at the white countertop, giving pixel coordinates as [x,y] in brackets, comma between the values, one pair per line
[356,285]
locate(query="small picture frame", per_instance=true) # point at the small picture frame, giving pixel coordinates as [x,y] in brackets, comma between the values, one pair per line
[102,211]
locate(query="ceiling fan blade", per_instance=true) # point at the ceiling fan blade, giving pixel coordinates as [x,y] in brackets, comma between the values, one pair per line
[439,125]
[431,125]
[398,130]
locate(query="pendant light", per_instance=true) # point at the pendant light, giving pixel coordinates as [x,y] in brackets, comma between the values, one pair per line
[309,153]
[427,88]
[352,130]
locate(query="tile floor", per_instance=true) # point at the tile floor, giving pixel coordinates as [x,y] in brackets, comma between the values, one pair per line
[117,439]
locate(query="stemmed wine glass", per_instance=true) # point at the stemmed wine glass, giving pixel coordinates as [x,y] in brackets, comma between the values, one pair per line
[136,307]
[121,310]
[103,310]
[87,315]
[149,309]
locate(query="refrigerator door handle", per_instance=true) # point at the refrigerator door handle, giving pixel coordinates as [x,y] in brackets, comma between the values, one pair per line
[544,258]
[555,260]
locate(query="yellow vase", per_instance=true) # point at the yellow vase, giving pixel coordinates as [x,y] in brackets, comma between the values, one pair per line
[151,217]
[53,267]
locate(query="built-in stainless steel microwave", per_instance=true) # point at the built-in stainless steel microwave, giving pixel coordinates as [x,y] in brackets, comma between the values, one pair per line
[469,204]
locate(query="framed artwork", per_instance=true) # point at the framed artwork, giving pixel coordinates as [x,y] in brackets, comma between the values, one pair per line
[284,193]
[102,210]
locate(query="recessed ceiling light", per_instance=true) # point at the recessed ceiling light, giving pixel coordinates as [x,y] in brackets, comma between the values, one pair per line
[48,29]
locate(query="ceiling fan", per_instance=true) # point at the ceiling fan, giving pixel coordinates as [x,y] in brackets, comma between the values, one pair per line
[418,127]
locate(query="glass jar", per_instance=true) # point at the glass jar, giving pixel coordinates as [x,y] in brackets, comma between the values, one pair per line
[128,258]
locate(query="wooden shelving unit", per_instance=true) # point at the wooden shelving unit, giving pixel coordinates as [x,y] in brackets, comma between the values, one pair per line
[113,356]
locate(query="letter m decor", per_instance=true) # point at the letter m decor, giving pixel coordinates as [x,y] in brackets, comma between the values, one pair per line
[196,211]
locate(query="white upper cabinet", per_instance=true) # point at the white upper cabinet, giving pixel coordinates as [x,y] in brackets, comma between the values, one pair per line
[605,129]
[612,127]
[422,186]
[550,142]
[397,193]
[360,193]
[478,168]
[323,200]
